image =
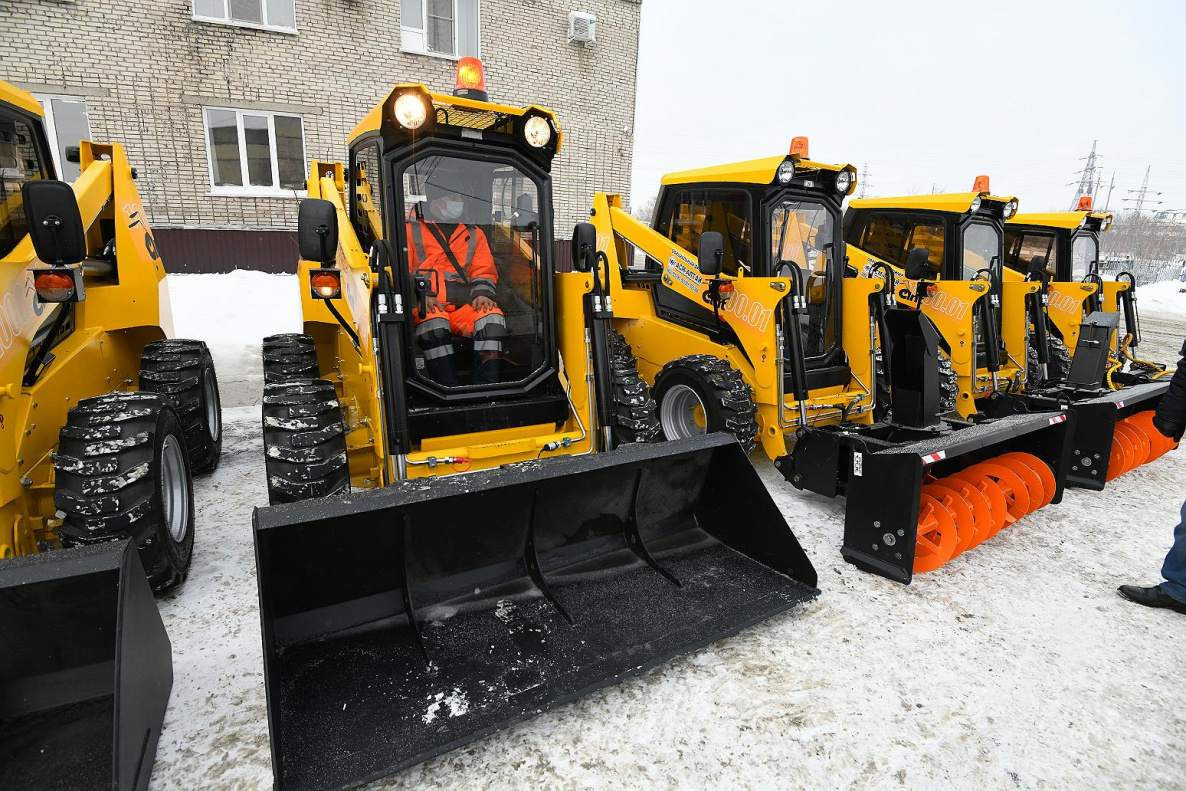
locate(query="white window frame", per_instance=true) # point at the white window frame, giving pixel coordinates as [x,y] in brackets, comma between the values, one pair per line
[248,191]
[51,123]
[225,19]
[422,33]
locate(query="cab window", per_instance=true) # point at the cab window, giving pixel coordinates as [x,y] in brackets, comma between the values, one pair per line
[802,233]
[367,198]
[693,212]
[1021,247]
[475,244]
[20,162]
[982,245]
[1084,254]
[892,238]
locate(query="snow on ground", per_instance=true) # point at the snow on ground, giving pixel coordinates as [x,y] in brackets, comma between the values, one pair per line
[232,313]
[1168,296]
[1015,665]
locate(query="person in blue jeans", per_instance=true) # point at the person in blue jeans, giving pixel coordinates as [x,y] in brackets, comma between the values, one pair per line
[1170,420]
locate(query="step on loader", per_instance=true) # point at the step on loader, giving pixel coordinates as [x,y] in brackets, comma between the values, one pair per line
[768,333]
[471,519]
[1089,361]
[103,421]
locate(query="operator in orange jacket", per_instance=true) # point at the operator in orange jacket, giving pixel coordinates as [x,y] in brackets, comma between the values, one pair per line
[452,257]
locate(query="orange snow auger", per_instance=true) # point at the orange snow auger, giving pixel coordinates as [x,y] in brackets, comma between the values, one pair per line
[1136,442]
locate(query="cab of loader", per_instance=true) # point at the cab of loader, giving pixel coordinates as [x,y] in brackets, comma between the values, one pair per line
[960,284]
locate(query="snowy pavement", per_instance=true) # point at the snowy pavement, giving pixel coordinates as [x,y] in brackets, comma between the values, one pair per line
[1015,665]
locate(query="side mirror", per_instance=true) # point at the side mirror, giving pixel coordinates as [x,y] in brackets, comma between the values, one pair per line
[584,246]
[711,256]
[317,231]
[918,261]
[525,218]
[55,223]
[1037,265]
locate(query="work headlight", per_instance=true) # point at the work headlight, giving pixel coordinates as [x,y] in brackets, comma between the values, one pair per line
[1106,223]
[1010,209]
[410,110]
[843,181]
[786,172]
[537,131]
[975,205]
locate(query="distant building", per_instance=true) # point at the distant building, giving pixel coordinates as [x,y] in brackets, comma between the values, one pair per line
[221,104]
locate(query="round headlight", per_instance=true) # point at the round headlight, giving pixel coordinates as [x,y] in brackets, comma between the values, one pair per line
[537,131]
[786,172]
[410,111]
[1010,209]
[975,205]
[843,181]
[1106,223]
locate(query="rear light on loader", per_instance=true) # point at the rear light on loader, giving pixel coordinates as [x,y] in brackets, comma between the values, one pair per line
[326,284]
[471,80]
[58,284]
[410,110]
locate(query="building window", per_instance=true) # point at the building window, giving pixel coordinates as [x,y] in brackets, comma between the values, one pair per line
[279,15]
[255,153]
[66,125]
[446,28]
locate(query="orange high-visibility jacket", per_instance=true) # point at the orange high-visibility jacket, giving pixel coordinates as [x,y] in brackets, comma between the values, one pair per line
[477,276]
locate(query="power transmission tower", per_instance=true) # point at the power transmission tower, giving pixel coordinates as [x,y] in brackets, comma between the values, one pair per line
[864,180]
[1087,178]
[1108,202]
[1143,195]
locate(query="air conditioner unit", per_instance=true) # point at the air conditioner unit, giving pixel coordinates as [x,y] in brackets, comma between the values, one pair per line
[582,27]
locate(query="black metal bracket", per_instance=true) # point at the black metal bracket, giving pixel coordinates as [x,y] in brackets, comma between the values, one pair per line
[634,538]
[531,559]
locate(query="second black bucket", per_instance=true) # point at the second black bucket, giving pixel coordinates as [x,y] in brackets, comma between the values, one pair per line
[406,622]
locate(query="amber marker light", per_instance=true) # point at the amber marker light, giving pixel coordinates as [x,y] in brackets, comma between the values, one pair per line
[471,80]
[326,283]
[55,285]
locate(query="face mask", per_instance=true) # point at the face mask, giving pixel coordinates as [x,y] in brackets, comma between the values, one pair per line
[452,210]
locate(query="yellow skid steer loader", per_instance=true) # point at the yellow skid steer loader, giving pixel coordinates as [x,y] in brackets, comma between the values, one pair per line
[471,521]
[1078,355]
[103,419]
[767,332]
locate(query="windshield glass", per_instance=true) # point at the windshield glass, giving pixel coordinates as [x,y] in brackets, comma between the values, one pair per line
[1022,247]
[19,163]
[475,250]
[1084,254]
[982,243]
[803,232]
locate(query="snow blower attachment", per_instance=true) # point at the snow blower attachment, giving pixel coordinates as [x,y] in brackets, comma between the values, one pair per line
[411,620]
[85,670]
[922,491]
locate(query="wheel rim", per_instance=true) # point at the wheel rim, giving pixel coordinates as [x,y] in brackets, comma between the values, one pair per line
[213,407]
[677,413]
[174,488]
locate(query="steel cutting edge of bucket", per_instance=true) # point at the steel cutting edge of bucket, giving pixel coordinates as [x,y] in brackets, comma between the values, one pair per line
[886,478]
[85,670]
[404,622]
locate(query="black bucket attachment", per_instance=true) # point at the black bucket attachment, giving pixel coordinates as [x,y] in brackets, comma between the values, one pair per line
[85,670]
[405,622]
[883,469]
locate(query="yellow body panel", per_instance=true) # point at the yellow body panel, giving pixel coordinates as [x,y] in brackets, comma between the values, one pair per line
[120,314]
[953,202]
[22,100]
[753,171]
[1058,219]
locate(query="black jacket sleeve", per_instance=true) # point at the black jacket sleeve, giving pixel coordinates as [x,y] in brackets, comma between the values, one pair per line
[1170,418]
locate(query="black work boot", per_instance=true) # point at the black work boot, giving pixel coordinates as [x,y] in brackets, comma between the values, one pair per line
[1151,597]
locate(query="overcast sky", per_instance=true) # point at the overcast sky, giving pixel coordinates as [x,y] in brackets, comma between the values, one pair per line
[928,94]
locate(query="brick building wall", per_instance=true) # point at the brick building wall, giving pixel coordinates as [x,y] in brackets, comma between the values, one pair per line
[147,70]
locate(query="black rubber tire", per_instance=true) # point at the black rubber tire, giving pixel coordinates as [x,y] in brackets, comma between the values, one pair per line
[1058,366]
[183,372]
[727,399]
[291,357]
[304,441]
[109,483]
[635,413]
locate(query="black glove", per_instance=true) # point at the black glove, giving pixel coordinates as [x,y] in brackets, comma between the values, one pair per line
[1172,430]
